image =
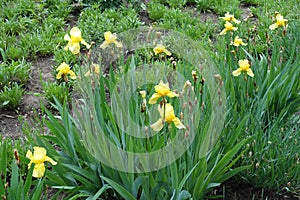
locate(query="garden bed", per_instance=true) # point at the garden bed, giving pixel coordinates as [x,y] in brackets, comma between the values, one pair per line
[255,155]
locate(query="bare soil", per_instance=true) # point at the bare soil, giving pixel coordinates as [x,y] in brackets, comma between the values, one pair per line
[235,190]
[10,120]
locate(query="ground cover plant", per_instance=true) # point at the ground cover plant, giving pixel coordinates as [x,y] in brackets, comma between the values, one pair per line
[149,99]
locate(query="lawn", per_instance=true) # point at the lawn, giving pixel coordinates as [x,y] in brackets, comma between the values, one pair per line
[114,99]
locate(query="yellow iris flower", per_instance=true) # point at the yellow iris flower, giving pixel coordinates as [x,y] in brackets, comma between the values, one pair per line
[38,157]
[230,18]
[280,21]
[110,39]
[161,49]
[74,39]
[237,42]
[244,66]
[161,90]
[167,115]
[64,70]
[228,27]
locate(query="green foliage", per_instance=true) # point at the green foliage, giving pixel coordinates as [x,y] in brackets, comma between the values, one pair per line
[176,19]
[250,2]
[61,55]
[15,72]
[274,156]
[59,91]
[30,28]
[271,99]
[79,170]
[173,3]
[15,183]
[218,6]
[263,108]
[103,4]
[156,10]
[93,22]
[10,97]
[7,147]
[12,77]
[45,39]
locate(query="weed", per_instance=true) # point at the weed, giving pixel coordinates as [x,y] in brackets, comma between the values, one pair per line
[10,97]
[53,90]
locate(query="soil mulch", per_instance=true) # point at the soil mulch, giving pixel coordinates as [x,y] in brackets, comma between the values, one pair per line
[235,190]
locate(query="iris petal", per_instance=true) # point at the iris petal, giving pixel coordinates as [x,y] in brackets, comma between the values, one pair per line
[158,125]
[39,170]
[178,123]
[72,74]
[154,98]
[237,72]
[250,73]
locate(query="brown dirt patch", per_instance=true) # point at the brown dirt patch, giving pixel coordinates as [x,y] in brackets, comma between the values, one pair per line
[203,16]
[10,125]
[235,190]
[144,17]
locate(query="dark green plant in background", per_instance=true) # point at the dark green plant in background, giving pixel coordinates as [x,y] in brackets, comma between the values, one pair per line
[10,97]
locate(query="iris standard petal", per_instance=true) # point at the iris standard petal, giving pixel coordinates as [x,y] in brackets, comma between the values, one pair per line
[39,154]
[107,35]
[162,88]
[29,154]
[237,42]
[157,51]
[110,39]
[75,35]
